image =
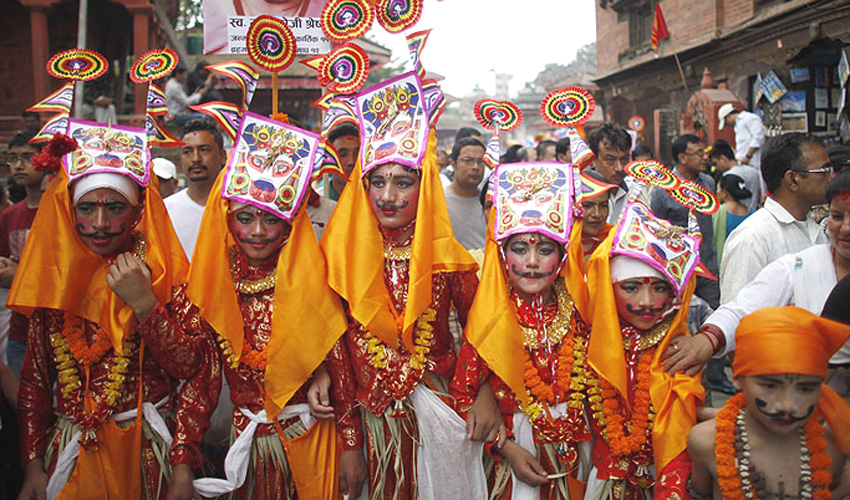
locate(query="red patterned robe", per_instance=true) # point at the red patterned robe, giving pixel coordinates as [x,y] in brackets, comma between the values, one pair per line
[553,453]
[625,474]
[189,357]
[357,382]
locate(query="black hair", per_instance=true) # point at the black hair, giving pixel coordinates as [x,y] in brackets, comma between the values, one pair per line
[736,187]
[642,149]
[201,65]
[512,155]
[563,146]
[482,194]
[198,124]
[838,185]
[22,138]
[839,156]
[466,141]
[835,307]
[346,129]
[465,132]
[616,136]
[721,148]
[781,154]
[545,144]
[681,143]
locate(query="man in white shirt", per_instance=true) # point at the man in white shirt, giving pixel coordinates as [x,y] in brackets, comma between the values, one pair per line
[796,170]
[201,158]
[724,159]
[178,101]
[611,146]
[468,224]
[749,134]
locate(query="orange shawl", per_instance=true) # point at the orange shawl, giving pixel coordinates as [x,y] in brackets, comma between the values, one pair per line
[307,317]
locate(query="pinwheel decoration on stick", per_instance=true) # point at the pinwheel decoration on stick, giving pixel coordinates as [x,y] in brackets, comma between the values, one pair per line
[343,70]
[271,46]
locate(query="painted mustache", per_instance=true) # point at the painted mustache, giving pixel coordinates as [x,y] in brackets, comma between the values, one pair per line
[390,206]
[644,310]
[257,241]
[531,274]
[782,415]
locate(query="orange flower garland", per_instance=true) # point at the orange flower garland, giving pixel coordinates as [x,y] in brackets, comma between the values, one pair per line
[611,417]
[255,360]
[86,355]
[727,468]
[546,393]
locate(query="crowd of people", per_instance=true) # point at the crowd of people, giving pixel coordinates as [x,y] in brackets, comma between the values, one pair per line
[426,327]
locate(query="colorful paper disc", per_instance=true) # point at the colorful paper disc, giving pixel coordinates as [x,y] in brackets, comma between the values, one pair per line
[398,15]
[344,69]
[636,123]
[695,197]
[77,64]
[490,114]
[344,20]
[654,173]
[154,65]
[568,107]
[271,44]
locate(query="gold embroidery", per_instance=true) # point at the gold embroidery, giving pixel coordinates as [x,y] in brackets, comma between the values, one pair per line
[652,336]
[249,287]
[396,253]
[560,326]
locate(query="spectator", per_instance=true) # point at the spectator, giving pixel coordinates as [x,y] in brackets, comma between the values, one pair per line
[642,152]
[724,159]
[15,223]
[611,146]
[514,154]
[462,194]
[836,309]
[734,195]
[796,170]
[749,134]
[32,122]
[202,157]
[198,78]
[563,153]
[546,151]
[178,101]
[447,173]
[691,159]
[839,156]
[97,101]
[345,138]
[465,132]
[595,227]
[442,159]
[166,173]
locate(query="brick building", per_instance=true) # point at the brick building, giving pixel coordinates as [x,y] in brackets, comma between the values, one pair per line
[734,39]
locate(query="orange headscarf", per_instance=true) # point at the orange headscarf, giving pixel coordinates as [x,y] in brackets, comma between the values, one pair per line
[675,398]
[307,318]
[778,340]
[492,327]
[58,271]
[353,246]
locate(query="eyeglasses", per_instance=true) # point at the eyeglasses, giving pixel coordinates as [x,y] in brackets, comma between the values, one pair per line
[13,159]
[470,161]
[698,153]
[826,169]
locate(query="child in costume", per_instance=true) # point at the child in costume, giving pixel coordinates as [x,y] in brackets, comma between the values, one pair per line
[100,265]
[640,281]
[527,336]
[392,258]
[785,435]
[258,277]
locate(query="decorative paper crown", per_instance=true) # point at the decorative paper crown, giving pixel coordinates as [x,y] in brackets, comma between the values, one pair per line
[108,148]
[664,246]
[534,197]
[270,165]
[393,123]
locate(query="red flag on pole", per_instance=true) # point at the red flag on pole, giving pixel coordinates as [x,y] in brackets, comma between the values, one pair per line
[659,28]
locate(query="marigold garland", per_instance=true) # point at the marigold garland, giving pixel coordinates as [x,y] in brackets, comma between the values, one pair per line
[606,409]
[725,454]
[77,344]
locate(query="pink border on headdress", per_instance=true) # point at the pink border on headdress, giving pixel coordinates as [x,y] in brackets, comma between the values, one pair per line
[422,147]
[618,236]
[567,208]
[146,155]
[304,189]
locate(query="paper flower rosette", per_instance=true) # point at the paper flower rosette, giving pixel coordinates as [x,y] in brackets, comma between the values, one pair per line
[154,65]
[271,44]
[492,114]
[568,107]
[346,20]
[77,64]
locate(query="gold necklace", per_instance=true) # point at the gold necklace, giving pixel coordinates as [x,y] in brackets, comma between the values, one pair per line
[560,325]
[397,253]
[249,287]
[651,337]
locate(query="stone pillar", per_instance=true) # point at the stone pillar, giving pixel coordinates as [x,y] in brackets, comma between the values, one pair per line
[40,52]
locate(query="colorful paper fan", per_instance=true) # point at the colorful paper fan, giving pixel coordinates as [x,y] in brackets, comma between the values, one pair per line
[695,197]
[271,44]
[502,114]
[654,173]
[154,65]
[398,15]
[568,107]
[77,64]
[344,69]
[636,123]
[344,20]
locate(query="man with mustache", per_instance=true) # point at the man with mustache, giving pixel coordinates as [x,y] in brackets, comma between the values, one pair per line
[94,280]
[640,414]
[393,260]
[201,158]
[526,335]
[785,434]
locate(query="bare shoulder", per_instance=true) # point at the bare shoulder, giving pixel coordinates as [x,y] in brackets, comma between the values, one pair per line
[701,441]
[840,470]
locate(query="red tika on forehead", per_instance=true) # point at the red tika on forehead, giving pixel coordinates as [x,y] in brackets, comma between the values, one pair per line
[844,195]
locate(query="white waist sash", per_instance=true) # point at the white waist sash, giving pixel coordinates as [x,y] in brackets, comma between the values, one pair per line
[67,458]
[236,461]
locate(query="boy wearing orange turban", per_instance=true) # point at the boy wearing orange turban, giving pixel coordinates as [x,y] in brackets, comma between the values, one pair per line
[785,435]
